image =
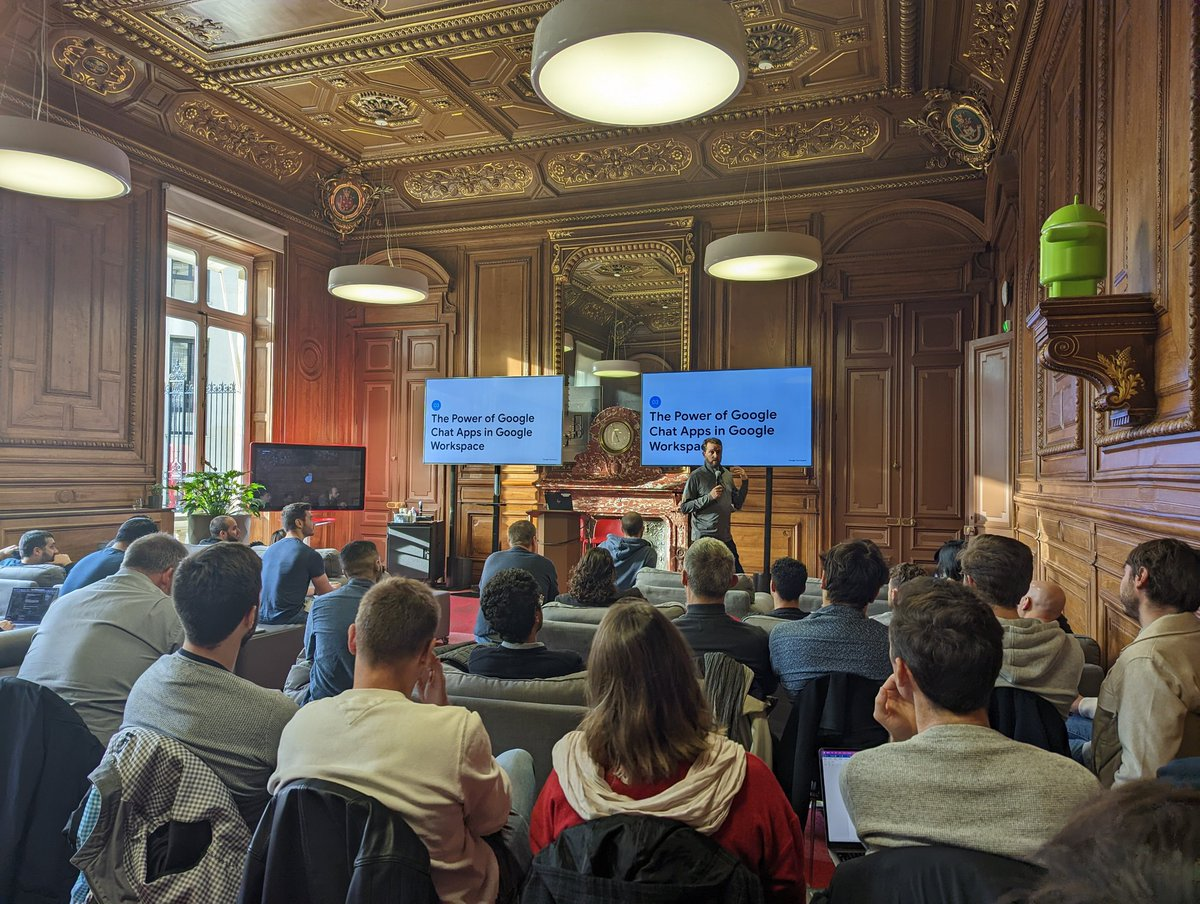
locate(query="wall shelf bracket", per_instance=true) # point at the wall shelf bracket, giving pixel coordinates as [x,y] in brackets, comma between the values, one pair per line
[1107,340]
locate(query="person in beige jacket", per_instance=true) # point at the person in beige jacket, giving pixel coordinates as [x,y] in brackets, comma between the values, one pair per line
[1148,711]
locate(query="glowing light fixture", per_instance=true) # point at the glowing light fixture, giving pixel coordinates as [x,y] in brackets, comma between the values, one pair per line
[760,256]
[639,62]
[41,158]
[378,284]
[616,367]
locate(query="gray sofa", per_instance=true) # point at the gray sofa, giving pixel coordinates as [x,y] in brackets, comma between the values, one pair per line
[659,586]
[13,647]
[531,714]
[567,627]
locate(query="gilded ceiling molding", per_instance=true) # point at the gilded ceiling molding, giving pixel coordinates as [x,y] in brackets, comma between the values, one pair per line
[959,124]
[208,33]
[214,126]
[989,44]
[789,142]
[358,6]
[908,45]
[469,181]
[779,44]
[97,67]
[620,163]
[378,108]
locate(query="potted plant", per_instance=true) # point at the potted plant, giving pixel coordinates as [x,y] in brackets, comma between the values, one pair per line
[205,494]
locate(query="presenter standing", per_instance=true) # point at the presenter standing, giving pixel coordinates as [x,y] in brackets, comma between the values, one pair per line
[710,497]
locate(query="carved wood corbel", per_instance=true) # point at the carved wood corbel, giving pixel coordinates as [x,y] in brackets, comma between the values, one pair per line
[1107,340]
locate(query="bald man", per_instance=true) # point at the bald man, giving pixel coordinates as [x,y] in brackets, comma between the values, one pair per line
[1044,601]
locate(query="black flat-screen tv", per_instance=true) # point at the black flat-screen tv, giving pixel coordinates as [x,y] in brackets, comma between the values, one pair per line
[329,478]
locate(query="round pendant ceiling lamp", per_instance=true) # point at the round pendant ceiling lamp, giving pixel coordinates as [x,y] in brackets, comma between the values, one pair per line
[378,284]
[761,256]
[639,62]
[616,367]
[41,158]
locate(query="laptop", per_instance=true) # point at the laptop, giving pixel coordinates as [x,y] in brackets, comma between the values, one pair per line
[840,836]
[559,501]
[27,605]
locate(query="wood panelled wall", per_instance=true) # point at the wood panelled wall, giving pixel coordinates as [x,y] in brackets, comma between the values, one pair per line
[1109,113]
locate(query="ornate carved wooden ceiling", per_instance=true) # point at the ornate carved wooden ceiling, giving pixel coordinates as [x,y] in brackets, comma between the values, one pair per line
[434,97]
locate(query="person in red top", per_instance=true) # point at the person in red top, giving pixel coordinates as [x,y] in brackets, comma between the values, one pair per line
[647,747]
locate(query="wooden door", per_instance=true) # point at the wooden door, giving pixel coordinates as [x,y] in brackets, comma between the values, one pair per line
[990,451]
[898,424]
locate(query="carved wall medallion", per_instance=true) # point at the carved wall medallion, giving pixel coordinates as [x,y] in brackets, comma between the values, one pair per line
[358,6]
[96,66]
[214,126]
[806,139]
[384,110]
[959,124]
[990,42]
[208,33]
[778,43]
[620,163]
[345,199]
[850,37]
[468,181]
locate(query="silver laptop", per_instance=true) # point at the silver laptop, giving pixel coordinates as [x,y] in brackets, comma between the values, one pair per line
[840,836]
[27,606]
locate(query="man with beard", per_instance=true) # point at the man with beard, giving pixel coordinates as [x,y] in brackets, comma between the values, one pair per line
[1148,711]
[710,498]
[193,696]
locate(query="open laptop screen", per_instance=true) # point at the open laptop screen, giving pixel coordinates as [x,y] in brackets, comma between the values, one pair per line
[839,827]
[28,605]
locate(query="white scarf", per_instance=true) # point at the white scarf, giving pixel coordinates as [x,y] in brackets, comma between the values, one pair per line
[701,799]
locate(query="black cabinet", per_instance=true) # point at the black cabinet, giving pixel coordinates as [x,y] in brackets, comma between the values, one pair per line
[417,550]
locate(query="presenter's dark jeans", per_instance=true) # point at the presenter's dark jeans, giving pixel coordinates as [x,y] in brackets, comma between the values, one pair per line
[737,563]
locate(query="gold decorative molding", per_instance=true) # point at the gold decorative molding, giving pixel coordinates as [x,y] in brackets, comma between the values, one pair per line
[959,124]
[379,108]
[778,44]
[358,6]
[208,33]
[93,65]
[620,163]
[989,44]
[469,181]
[214,126]
[789,142]
[345,199]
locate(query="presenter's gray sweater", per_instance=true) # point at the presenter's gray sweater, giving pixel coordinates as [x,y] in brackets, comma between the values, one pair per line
[963,785]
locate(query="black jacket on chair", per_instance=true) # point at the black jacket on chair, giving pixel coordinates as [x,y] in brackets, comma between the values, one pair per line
[1026,717]
[834,710]
[46,753]
[638,859]
[320,843]
[936,874]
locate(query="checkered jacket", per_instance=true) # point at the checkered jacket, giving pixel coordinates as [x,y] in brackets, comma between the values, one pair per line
[146,782]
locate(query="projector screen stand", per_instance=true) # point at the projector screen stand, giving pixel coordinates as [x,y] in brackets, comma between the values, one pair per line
[496,508]
[765,580]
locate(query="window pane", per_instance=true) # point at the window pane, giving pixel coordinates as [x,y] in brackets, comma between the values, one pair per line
[225,399]
[181,273]
[179,411]
[226,286]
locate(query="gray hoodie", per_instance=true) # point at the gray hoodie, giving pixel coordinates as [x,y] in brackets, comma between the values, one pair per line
[1040,657]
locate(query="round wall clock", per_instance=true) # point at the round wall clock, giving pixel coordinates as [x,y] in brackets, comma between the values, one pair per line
[616,437]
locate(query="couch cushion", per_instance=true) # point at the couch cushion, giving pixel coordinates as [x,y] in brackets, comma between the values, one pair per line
[658,577]
[14,645]
[766,622]
[41,575]
[592,615]
[566,690]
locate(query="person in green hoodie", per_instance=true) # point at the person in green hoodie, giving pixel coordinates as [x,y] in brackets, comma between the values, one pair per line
[1038,656]
[630,553]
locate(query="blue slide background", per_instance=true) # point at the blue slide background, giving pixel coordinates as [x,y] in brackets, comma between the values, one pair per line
[461,412]
[735,394]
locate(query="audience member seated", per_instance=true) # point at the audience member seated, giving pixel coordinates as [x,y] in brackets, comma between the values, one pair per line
[512,606]
[277,535]
[593,582]
[37,547]
[1138,845]
[838,637]
[428,761]
[947,777]
[1038,656]
[325,636]
[648,748]
[630,553]
[105,562]
[946,560]
[95,642]
[288,566]
[898,576]
[1045,601]
[520,554]
[788,580]
[1148,711]
[707,574]
[223,529]
[232,725]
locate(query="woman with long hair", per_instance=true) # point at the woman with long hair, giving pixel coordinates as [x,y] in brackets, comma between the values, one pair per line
[647,747]
[594,581]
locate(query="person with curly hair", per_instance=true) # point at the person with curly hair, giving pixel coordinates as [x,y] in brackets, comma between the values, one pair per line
[512,604]
[594,581]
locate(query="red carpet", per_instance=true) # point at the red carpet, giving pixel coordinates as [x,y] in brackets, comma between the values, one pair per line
[817,867]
